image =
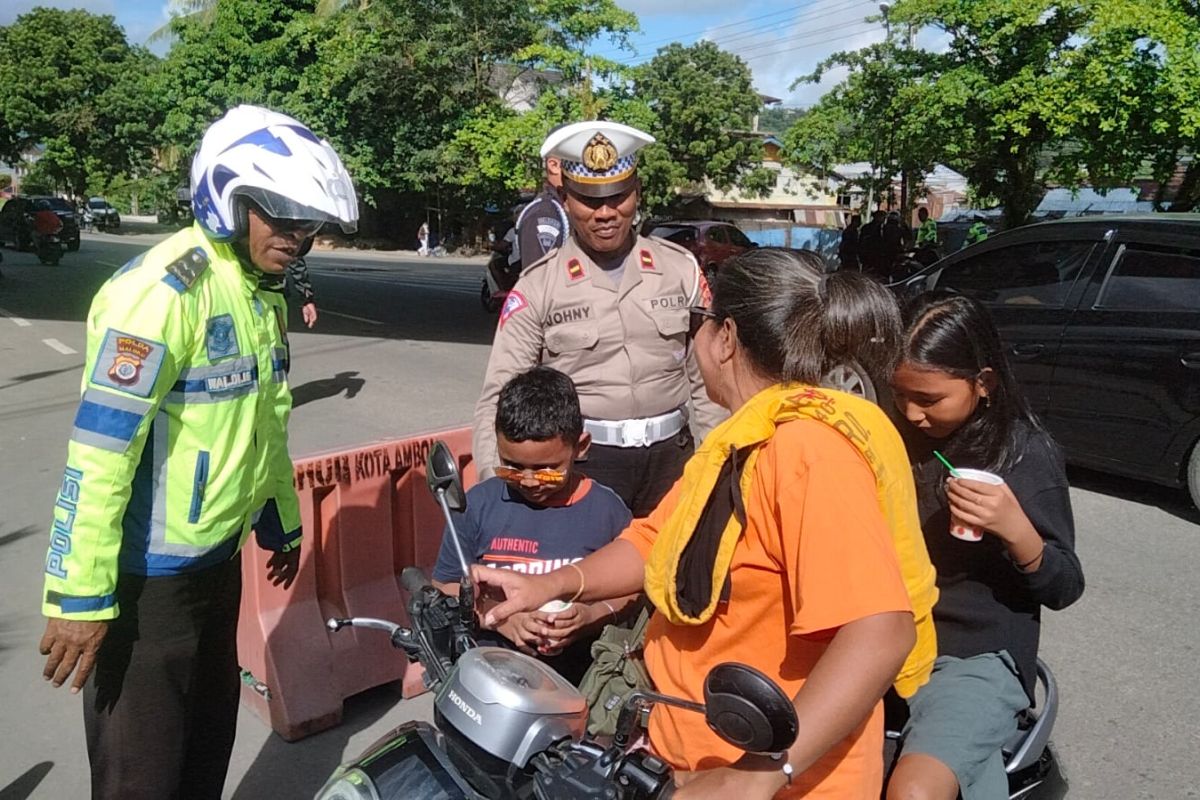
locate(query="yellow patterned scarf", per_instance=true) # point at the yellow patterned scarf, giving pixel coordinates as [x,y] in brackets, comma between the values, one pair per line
[866,427]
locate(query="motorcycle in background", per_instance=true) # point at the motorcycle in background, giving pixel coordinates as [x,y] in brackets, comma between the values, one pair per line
[47,237]
[499,277]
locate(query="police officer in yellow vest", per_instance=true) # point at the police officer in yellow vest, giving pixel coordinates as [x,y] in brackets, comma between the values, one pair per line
[610,309]
[179,449]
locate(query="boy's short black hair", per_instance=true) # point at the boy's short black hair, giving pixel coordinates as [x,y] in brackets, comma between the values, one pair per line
[538,405]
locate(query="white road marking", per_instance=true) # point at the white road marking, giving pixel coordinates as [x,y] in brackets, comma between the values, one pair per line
[55,344]
[325,311]
[20,322]
[107,263]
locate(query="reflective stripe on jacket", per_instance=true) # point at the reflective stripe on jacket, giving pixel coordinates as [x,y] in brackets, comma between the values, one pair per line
[181,433]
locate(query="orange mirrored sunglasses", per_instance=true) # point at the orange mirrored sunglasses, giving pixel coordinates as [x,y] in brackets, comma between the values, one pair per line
[549,477]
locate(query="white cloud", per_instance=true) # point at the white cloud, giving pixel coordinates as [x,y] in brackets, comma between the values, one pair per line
[799,43]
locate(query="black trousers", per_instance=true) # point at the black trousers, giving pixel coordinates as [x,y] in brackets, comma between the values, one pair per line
[160,710]
[640,475]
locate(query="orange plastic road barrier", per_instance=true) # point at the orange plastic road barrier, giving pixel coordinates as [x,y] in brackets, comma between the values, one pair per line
[367,515]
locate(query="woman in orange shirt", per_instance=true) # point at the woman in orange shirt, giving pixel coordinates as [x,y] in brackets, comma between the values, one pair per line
[773,549]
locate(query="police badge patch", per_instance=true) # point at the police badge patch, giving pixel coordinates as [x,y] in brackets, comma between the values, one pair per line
[128,363]
[515,303]
[221,338]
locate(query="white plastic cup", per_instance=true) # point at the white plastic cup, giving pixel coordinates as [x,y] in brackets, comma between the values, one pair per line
[963,530]
[555,607]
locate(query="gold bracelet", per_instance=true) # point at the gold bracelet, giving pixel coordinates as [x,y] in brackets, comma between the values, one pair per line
[582,582]
[611,610]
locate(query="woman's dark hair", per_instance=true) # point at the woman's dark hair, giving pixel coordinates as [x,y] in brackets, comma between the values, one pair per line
[954,334]
[797,323]
[538,405]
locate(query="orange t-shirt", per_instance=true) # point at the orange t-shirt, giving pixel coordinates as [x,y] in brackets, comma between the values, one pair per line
[815,554]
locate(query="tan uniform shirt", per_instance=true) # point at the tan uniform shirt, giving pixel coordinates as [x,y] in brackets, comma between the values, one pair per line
[623,346]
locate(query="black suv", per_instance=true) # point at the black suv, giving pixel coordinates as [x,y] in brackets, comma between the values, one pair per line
[16,226]
[1101,317]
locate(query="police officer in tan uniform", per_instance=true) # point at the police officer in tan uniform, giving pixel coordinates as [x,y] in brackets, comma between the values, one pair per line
[610,309]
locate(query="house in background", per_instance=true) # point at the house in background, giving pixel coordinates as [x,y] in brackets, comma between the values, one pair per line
[17,171]
[942,190]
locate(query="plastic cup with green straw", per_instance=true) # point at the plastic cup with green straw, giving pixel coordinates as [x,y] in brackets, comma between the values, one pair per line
[949,466]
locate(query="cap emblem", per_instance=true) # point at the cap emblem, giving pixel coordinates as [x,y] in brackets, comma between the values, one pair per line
[599,154]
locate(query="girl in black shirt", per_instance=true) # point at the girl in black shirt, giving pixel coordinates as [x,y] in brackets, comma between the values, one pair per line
[956,391]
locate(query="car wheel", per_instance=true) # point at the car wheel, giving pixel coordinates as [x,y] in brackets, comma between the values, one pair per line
[852,379]
[73,246]
[1193,475]
[21,244]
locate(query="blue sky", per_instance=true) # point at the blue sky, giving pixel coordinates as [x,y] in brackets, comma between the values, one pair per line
[780,40]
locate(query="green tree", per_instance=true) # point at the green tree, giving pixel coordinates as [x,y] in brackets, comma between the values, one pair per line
[1128,98]
[80,92]
[701,102]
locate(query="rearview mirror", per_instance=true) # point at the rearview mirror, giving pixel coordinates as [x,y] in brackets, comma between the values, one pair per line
[747,709]
[441,474]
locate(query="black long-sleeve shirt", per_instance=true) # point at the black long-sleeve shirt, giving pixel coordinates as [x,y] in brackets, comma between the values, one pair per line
[986,604]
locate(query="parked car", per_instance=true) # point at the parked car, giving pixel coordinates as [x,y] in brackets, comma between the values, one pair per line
[103,215]
[16,221]
[710,242]
[1101,318]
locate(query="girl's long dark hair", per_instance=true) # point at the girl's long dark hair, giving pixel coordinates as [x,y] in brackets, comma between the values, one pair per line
[797,323]
[954,334]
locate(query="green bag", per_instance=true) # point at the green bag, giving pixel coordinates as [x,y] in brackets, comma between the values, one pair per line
[617,670]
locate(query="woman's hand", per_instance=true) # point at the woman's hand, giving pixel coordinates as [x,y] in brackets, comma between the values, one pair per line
[990,507]
[521,592]
[560,628]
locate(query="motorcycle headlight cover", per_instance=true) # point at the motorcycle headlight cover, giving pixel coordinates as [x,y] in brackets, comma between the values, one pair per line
[277,162]
[352,784]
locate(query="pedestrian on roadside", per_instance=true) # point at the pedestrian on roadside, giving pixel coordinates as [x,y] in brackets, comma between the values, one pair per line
[610,309]
[1002,550]
[423,239]
[179,450]
[848,247]
[870,244]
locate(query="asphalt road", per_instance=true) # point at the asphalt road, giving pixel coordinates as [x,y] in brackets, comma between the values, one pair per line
[400,348]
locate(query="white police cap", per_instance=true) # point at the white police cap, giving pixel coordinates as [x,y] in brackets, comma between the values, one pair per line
[599,158]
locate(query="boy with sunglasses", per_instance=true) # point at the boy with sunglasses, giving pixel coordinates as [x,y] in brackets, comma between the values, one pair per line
[539,514]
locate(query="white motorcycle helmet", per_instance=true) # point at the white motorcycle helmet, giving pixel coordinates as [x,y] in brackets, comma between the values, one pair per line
[276,162]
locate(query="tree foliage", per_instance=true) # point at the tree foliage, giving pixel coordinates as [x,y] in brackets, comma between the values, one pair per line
[702,99]
[72,86]
[1084,91]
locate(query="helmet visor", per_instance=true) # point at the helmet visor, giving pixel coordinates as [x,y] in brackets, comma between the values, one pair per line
[298,214]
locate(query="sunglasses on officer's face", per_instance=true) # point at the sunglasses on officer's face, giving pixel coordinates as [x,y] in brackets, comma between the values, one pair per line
[303,228]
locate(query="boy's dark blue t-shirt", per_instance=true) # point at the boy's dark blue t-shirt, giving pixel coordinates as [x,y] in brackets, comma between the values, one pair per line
[501,529]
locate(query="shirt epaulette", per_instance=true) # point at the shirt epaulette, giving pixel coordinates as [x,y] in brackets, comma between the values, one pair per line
[183,271]
[549,255]
[683,251]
